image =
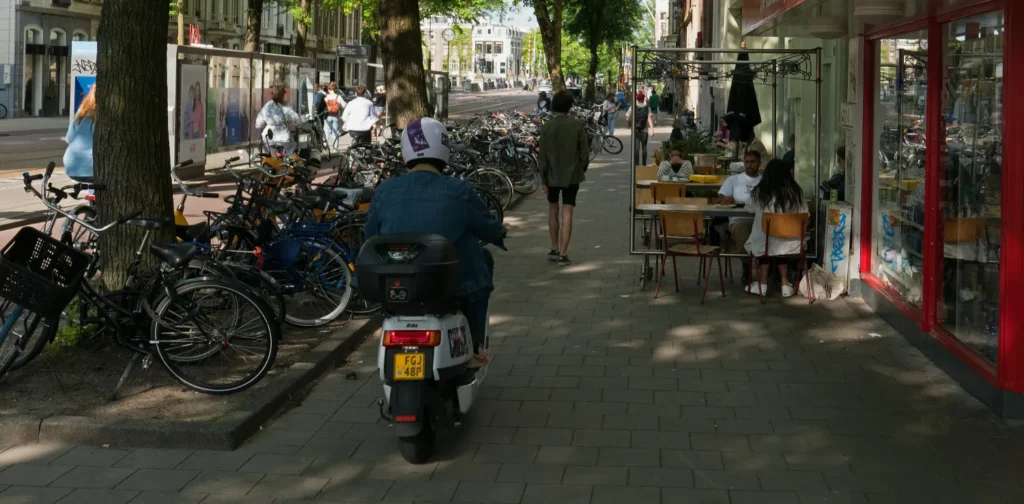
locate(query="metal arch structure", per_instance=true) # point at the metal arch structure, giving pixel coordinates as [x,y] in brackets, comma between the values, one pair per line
[665,63]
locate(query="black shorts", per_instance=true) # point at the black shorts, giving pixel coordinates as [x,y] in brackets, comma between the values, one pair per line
[568,194]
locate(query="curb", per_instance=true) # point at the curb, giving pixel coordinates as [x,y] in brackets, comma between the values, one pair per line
[226,433]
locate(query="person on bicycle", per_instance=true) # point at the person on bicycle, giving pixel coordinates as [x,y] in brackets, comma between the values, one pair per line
[277,121]
[426,201]
[78,156]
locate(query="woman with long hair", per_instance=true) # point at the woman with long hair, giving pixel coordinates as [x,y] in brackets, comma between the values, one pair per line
[78,156]
[777,192]
[278,119]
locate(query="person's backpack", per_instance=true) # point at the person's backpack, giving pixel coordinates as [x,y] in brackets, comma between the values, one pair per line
[332,105]
[640,119]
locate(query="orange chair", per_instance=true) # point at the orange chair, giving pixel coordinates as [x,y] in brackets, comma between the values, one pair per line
[687,226]
[785,227]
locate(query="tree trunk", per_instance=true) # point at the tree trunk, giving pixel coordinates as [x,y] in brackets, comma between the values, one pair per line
[402,53]
[131,151]
[549,20]
[254,24]
[302,28]
[592,74]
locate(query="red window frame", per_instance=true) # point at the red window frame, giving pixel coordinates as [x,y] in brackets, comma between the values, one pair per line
[1009,373]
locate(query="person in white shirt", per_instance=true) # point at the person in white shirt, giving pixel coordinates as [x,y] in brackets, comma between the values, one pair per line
[276,120]
[609,108]
[359,117]
[777,192]
[737,189]
[675,168]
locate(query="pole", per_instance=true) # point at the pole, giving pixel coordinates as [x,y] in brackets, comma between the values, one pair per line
[181,23]
[775,98]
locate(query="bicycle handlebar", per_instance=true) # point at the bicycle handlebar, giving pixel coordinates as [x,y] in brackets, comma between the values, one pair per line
[28,179]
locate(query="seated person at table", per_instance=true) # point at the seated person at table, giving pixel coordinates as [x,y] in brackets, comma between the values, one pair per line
[777,192]
[737,189]
[750,143]
[675,168]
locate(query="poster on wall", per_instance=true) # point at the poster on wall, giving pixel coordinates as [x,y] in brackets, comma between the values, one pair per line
[306,76]
[233,119]
[192,92]
[83,72]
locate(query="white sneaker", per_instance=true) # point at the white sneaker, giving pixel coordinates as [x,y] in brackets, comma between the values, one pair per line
[753,289]
[787,291]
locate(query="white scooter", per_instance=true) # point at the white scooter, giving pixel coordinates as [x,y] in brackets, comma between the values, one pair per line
[426,344]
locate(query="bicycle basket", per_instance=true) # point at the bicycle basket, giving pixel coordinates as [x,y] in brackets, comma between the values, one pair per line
[40,273]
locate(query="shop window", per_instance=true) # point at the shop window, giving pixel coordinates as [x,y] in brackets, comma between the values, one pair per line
[898,233]
[972,107]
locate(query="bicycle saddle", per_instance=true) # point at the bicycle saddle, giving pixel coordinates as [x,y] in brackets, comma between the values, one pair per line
[194,233]
[278,207]
[175,256]
[149,224]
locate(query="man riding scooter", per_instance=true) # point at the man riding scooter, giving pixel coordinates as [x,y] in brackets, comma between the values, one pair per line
[425,201]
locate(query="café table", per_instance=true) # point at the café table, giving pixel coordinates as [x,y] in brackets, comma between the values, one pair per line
[646,184]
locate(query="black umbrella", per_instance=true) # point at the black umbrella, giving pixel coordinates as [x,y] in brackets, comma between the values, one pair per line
[742,113]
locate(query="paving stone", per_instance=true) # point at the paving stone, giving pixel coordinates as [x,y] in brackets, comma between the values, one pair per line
[630,494]
[32,474]
[600,438]
[762,497]
[660,477]
[153,458]
[464,470]
[215,461]
[506,453]
[694,496]
[490,492]
[33,495]
[346,489]
[719,442]
[277,464]
[531,473]
[687,459]
[629,457]
[168,498]
[234,499]
[98,496]
[439,491]
[516,419]
[90,456]
[832,498]
[542,493]
[220,482]
[792,481]
[386,470]
[660,439]
[92,477]
[726,480]
[35,453]
[744,426]
[592,475]
[743,461]
[547,436]
[568,455]
[161,480]
[290,487]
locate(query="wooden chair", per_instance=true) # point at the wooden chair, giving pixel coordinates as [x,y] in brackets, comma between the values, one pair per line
[662,190]
[688,226]
[643,196]
[785,227]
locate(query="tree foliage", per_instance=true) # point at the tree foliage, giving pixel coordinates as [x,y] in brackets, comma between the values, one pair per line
[597,22]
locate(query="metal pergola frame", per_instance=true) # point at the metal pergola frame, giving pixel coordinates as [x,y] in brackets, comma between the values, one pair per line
[774,71]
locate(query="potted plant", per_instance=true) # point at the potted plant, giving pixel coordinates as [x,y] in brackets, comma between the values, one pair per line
[51,101]
[694,141]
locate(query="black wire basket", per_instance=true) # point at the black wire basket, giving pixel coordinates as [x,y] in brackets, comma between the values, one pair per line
[40,273]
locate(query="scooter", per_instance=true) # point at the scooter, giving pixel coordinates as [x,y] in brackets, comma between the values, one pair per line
[426,345]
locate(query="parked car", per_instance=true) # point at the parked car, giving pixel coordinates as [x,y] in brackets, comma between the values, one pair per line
[544,87]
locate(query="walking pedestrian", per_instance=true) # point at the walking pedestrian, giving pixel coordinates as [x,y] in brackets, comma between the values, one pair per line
[642,126]
[543,102]
[333,103]
[359,116]
[564,156]
[655,102]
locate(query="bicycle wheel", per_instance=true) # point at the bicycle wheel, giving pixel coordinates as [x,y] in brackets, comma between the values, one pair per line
[326,287]
[3,111]
[495,182]
[612,145]
[26,327]
[216,336]
[492,204]
[39,332]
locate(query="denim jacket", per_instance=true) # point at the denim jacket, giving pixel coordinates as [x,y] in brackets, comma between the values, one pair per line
[424,201]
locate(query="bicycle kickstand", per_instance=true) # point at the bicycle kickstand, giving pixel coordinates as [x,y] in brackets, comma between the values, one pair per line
[127,370]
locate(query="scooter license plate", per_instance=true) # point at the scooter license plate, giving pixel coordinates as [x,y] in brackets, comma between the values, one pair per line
[410,366]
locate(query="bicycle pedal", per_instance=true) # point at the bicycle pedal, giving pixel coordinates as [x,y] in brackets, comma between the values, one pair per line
[147,361]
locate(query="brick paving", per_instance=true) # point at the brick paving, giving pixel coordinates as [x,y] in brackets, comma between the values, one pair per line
[600,394]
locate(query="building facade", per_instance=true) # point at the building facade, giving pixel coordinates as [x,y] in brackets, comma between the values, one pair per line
[497,51]
[913,92]
[36,36]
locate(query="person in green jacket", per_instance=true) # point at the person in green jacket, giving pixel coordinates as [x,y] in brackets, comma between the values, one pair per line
[654,101]
[564,156]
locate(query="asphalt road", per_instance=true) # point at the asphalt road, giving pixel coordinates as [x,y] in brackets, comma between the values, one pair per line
[31,152]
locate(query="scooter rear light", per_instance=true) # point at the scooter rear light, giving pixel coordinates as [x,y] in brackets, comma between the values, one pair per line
[405,418]
[412,338]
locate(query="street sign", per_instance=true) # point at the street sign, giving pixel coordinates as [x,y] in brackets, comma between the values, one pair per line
[354,51]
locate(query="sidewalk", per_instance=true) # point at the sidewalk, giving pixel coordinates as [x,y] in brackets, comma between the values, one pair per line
[28,125]
[599,394]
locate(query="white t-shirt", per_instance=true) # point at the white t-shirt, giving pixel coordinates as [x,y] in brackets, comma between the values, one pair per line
[359,115]
[776,246]
[739,187]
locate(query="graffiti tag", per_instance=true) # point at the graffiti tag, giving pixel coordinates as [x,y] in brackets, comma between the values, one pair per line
[838,254]
[888,237]
[84,66]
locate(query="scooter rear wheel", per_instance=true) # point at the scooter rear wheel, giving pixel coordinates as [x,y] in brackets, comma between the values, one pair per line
[419,448]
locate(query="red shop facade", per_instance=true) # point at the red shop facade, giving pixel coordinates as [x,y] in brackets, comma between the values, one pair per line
[942,191]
